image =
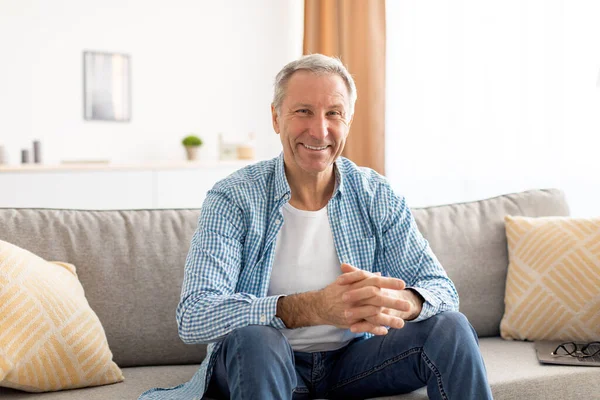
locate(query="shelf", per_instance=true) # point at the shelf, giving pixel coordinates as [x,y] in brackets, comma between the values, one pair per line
[178,184]
[100,166]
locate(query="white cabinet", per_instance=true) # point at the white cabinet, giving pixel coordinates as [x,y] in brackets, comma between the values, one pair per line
[106,187]
[186,188]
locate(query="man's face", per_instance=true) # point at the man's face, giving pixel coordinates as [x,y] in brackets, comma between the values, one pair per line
[314,121]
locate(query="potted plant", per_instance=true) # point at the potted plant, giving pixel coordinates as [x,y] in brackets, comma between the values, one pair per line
[192,143]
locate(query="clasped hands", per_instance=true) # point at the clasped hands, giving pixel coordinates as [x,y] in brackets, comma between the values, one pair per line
[367,302]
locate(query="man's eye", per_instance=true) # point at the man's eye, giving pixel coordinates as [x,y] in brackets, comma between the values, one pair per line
[302,111]
[335,113]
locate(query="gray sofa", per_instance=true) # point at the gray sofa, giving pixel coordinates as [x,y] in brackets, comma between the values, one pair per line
[131,266]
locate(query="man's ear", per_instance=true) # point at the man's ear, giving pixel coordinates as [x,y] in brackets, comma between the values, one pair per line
[274,119]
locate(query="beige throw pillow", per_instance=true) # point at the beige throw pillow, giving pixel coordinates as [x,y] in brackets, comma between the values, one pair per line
[553,282]
[50,339]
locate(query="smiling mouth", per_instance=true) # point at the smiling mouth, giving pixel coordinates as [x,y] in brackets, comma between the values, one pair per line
[315,148]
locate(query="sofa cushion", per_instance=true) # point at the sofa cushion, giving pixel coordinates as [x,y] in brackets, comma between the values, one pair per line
[553,282]
[130,264]
[470,241]
[137,381]
[513,373]
[50,338]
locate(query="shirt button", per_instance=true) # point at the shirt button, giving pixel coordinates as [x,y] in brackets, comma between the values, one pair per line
[263,318]
[278,221]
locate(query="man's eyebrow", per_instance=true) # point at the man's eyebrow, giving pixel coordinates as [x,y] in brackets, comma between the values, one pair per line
[302,105]
[306,105]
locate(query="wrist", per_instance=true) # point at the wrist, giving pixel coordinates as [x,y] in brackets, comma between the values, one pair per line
[317,307]
[300,310]
[417,301]
[280,311]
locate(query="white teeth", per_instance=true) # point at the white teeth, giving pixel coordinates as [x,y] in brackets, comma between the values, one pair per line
[315,148]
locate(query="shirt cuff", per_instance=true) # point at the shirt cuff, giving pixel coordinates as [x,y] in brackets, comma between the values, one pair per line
[430,306]
[263,310]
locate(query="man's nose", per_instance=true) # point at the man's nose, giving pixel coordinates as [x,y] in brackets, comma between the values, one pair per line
[320,127]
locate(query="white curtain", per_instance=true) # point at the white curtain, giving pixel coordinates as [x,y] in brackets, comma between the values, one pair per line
[488,97]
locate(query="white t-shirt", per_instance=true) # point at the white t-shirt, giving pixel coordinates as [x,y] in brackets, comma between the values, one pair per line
[305,260]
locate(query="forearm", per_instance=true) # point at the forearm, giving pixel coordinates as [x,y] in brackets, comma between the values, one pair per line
[207,319]
[433,284]
[300,310]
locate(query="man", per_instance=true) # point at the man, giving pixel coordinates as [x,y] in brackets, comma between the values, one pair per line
[308,276]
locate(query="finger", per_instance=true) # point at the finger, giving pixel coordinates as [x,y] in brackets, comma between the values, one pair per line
[373,296]
[386,320]
[381,282]
[348,268]
[361,294]
[364,326]
[404,315]
[353,277]
[359,313]
[403,306]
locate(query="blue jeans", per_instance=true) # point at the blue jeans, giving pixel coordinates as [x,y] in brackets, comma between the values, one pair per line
[257,362]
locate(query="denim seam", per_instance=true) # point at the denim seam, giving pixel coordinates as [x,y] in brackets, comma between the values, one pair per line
[297,389]
[375,369]
[320,367]
[437,374]
[238,355]
[312,371]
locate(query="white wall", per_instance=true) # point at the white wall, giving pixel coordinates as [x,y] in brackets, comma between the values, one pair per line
[197,66]
[488,97]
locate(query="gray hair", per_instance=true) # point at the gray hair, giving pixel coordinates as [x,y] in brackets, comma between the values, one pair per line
[318,64]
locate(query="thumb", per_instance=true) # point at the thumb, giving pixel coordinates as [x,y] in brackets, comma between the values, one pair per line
[348,268]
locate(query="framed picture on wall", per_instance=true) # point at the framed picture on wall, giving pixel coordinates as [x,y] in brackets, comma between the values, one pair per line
[106,86]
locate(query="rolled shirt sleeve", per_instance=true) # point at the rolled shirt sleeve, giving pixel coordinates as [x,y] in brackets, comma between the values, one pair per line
[407,256]
[209,308]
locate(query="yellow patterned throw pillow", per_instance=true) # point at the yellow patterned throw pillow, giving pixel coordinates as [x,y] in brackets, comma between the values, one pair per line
[50,339]
[553,282]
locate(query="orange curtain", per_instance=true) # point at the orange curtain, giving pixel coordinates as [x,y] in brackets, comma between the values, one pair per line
[354,31]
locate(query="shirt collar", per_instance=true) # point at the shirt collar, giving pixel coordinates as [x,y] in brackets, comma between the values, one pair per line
[282,188]
[338,168]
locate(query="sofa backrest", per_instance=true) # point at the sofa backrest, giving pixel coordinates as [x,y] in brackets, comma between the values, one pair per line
[469,239]
[130,263]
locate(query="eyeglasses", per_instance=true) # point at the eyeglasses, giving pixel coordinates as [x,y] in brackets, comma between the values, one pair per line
[579,350]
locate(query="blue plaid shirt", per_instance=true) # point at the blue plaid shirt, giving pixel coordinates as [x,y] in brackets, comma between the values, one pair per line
[229,264]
